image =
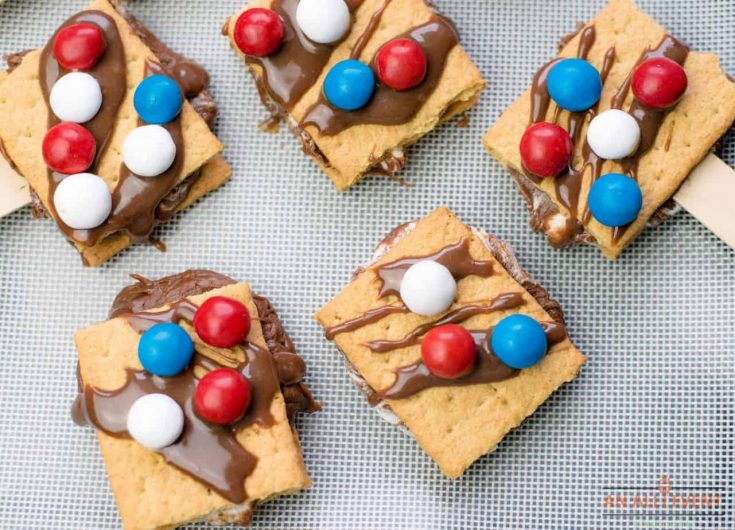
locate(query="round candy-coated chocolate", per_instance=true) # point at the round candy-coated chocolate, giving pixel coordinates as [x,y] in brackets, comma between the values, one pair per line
[449,351]
[323,21]
[158,99]
[615,199]
[155,421]
[79,46]
[83,201]
[76,97]
[401,64]
[68,148]
[613,134]
[574,84]
[349,84]
[659,82]
[165,349]
[259,32]
[546,149]
[149,150]
[222,396]
[428,288]
[222,322]
[519,341]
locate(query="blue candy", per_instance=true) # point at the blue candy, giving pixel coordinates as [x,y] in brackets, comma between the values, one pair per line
[349,84]
[519,341]
[158,99]
[615,199]
[165,349]
[574,84]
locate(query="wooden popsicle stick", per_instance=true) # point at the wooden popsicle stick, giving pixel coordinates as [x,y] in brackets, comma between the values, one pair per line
[708,194]
[14,192]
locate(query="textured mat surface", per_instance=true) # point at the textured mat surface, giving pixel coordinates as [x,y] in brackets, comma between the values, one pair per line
[656,398]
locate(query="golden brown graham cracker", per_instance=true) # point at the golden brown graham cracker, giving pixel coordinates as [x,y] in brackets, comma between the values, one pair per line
[353,152]
[24,122]
[150,493]
[689,131]
[453,425]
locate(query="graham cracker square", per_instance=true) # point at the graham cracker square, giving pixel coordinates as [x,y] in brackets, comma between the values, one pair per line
[347,155]
[150,492]
[454,425]
[687,133]
[24,122]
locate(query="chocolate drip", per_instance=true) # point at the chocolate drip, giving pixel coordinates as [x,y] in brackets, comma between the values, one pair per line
[368,317]
[288,74]
[456,258]
[648,119]
[414,378]
[387,106]
[502,302]
[110,73]
[369,31]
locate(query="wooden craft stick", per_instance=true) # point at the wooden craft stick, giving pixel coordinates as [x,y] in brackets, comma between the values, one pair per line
[708,194]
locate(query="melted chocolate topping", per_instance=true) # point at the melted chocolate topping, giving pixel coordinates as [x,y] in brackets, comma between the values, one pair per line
[456,258]
[208,453]
[293,70]
[138,203]
[568,185]
[110,73]
[502,302]
[416,377]
[387,106]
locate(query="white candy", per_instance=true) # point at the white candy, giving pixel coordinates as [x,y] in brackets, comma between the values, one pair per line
[76,97]
[155,421]
[613,134]
[323,21]
[83,201]
[149,150]
[428,288]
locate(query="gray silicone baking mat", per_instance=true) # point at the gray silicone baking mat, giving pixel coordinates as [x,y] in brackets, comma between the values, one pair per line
[655,400]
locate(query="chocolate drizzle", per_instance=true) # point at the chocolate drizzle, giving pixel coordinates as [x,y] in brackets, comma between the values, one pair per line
[288,74]
[648,119]
[368,317]
[389,107]
[208,453]
[568,185]
[500,303]
[416,377]
[455,257]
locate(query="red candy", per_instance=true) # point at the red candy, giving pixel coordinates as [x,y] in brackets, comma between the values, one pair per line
[448,351]
[259,32]
[546,149]
[401,64]
[222,396]
[659,83]
[79,46]
[68,148]
[222,322]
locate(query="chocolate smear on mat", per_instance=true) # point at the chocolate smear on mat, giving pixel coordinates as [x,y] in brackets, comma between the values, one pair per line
[416,377]
[207,452]
[387,106]
[290,72]
[502,302]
